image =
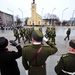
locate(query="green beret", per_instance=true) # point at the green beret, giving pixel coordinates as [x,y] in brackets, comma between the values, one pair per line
[72,43]
[37,35]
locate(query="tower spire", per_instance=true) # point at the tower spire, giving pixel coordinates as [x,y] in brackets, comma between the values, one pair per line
[33,1]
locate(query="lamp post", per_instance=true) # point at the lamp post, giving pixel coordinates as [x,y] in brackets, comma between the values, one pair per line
[72,18]
[62,15]
[42,12]
[22,13]
[12,13]
[52,14]
[42,17]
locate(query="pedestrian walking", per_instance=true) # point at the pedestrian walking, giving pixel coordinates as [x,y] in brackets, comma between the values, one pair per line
[68,32]
[66,64]
[34,56]
[8,63]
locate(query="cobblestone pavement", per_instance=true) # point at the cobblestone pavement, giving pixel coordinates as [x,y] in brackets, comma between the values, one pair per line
[52,60]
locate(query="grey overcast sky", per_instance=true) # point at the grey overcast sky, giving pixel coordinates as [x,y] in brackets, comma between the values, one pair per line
[43,7]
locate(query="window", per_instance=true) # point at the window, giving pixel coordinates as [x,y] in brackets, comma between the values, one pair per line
[32,7]
[0,19]
[39,23]
[30,22]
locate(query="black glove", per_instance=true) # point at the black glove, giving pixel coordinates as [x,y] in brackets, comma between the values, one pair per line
[13,43]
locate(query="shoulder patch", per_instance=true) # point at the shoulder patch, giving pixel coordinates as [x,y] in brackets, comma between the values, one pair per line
[65,55]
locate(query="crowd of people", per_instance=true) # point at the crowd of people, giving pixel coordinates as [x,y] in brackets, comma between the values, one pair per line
[6,27]
[34,56]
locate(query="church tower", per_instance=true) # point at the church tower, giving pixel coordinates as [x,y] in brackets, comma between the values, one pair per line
[33,12]
[35,18]
[33,7]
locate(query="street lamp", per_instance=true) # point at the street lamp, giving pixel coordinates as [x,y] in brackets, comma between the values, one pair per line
[22,13]
[72,17]
[53,10]
[42,16]
[62,15]
[12,13]
[42,12]
[52,14]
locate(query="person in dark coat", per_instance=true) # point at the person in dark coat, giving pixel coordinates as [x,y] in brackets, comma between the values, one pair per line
[8,63]
[34,60]
[66,64]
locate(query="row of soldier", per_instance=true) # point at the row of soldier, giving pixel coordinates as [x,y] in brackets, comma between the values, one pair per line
[51,34]
[25,34]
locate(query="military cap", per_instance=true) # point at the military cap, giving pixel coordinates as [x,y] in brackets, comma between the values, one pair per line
[72,43]
[37,35]
[3,42]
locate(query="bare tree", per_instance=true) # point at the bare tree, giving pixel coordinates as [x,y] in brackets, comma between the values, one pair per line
[26,19]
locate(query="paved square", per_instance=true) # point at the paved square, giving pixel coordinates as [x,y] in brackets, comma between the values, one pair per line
[52,60]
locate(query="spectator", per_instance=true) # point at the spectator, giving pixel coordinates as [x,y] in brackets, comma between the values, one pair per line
[8,63]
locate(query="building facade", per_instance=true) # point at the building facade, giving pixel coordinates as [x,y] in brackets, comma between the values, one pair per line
[35,18]
[6,19]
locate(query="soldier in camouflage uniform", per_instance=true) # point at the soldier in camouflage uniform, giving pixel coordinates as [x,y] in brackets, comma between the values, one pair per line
[27,35]
[66,64]
[48,33]
[40,29]
[68,34]
[36,65]
[21,33]
[24,32]
[31,30]
[16,35]
[53,35]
